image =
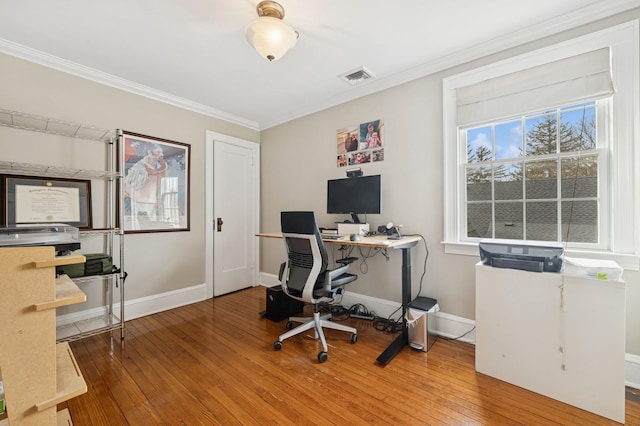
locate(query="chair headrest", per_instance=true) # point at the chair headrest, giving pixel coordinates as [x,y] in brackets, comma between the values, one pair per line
[298,222]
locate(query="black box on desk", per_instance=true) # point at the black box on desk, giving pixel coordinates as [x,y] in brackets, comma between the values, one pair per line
[281,306]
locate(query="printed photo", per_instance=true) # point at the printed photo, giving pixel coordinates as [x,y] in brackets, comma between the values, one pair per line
[347,139]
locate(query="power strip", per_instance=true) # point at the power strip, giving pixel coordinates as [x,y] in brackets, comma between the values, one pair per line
[359,316]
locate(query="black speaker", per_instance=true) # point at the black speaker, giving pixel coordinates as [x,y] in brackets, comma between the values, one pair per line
[281,306]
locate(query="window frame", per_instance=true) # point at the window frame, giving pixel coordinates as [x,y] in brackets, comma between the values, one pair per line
[623,133]
[602,111]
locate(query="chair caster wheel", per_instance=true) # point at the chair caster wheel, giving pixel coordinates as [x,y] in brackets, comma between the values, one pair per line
[288,325]
[277,345]
[354,338]
[322,357]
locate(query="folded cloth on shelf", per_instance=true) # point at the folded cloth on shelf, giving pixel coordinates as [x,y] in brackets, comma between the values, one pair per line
[96,264]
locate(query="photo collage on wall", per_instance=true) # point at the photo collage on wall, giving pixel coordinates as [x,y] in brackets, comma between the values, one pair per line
[360,144]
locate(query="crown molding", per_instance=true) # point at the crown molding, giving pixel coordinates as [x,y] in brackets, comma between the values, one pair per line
[50,61]
[586,15]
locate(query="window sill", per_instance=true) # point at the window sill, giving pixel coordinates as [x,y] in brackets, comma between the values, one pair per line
[629,262]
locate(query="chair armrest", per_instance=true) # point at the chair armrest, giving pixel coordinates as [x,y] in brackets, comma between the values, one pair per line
[333,273]
[282,266]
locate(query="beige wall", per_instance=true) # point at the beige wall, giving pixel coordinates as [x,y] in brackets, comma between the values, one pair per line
[299,156]
[297,159]
[157,262]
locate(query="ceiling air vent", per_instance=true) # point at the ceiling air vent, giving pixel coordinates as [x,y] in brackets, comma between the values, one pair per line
[357,76]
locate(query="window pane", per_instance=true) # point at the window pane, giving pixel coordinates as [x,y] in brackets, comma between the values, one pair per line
[478,183]
[508,181]
[578,129]
[519,171]
[509,140]
[579,176]
[542,134]
[580,221]
[541,179]
[479,145]
[542,221]
[509,223]
[479,220]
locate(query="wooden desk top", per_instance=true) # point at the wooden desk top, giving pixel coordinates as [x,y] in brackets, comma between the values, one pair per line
[375,241]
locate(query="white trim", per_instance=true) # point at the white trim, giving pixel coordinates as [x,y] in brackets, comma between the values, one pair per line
[629,262]
[446,325]
[455,327]
[632,370]
[268,280]
[210,139]
[585,15]
[624,134]
[92,74]
[143,306]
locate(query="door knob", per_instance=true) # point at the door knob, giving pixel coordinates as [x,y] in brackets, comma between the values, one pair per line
[219,223]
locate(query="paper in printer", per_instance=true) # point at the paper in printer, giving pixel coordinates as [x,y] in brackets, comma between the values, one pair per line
[606,270]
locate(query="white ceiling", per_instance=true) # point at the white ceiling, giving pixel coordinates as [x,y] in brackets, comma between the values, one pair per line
[193,53]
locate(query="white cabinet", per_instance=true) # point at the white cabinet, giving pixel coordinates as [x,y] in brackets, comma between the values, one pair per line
[560,336]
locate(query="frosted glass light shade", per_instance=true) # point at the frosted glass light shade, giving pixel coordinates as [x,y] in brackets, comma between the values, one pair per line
[271,37]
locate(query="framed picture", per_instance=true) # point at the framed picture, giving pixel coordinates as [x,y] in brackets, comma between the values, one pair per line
[156,184]
[360,144]
[33,200]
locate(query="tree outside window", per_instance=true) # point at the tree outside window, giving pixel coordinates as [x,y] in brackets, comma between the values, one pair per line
[535,177]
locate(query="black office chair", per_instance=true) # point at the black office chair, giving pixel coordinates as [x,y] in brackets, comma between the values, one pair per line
[304,276]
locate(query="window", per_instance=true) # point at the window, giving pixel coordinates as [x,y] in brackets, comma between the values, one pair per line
[541,147]
[535,177]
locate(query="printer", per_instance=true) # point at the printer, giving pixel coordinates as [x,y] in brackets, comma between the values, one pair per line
[535,256]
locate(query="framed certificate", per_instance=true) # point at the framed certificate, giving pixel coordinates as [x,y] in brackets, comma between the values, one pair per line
[32,200]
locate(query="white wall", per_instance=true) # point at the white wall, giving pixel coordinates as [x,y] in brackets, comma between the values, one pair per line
[158,262]
[412,185]
[297,159]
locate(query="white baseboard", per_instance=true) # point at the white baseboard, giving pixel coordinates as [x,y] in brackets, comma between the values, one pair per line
[447,325]
[632,370]
[143,306]
[269,280]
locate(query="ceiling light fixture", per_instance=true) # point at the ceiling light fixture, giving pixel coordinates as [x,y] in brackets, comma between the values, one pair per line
[269,35]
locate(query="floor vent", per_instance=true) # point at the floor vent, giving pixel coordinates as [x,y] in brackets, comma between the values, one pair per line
[357,76]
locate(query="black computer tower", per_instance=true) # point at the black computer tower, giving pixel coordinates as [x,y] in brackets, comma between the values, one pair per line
[281,306]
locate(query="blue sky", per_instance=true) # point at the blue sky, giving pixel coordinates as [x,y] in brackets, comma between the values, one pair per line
[509,137]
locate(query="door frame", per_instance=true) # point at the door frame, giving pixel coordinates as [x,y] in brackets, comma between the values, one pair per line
[210,139]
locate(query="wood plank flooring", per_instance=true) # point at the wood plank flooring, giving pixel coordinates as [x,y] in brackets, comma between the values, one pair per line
[213,363]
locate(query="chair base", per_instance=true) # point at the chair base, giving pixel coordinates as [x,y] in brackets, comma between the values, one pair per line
[317,322]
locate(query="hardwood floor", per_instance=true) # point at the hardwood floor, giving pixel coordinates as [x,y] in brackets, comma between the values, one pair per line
[213,363]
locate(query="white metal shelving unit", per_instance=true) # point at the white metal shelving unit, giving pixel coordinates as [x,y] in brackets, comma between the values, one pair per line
[107,319]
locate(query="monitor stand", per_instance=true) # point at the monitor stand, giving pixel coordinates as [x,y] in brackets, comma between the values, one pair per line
[355,218]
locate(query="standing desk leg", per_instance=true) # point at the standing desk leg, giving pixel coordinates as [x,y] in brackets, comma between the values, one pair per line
[403,339]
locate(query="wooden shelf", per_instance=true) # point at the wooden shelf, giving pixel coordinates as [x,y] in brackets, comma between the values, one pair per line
[64,418]
[69,380]
[67,293]
[60,260]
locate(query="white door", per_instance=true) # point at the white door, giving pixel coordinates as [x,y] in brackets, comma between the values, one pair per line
[232,214]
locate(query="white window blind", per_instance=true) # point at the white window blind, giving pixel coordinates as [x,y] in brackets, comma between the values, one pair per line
[571,80]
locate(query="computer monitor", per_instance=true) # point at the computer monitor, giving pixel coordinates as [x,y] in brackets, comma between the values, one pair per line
[354,196]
